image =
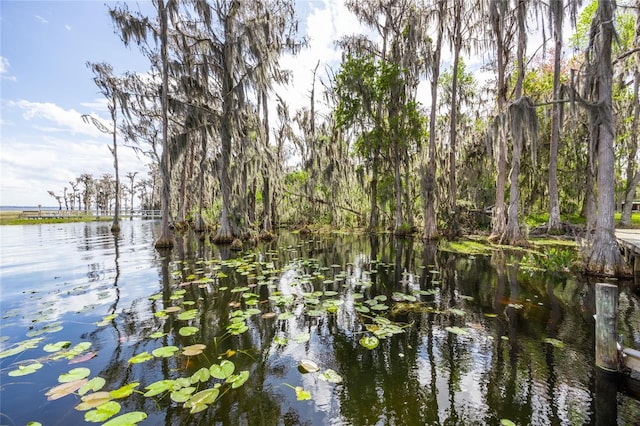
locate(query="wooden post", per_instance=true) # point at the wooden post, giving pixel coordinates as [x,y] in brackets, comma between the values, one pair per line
[606,326]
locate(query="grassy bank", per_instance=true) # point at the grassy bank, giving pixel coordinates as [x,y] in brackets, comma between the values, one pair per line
[13,218]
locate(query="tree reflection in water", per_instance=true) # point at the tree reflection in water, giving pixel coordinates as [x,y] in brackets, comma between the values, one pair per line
[472,350]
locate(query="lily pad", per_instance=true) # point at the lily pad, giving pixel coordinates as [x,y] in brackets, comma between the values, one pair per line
[156,388]
[301,394]
[127,419]
[157,335]
[193,350]
[369,342]
[124,391]
[64,389]
[182,395]
[302,338]
[188,315]
[286,316]
[74,374]
[202,375]
[141,357]
[222,370]
[201,400]
[308,366]
[237,380]
[93,385]
[188,331]
[103,412]
[55,347]
[23,370]
[165,351]
[457,330]
[93,400]
[330,376]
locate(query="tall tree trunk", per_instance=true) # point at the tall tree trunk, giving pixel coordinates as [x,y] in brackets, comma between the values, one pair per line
[513,235]
[115,226]
[225,233]
[498,223]
[267,223]
[555,223]
[428,180]
[453,114]
[164,240]
[604,257]
[373,212]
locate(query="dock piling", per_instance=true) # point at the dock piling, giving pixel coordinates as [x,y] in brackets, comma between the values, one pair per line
[606,326]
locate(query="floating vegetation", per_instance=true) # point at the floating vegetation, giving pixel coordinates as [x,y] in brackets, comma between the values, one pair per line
[193,336]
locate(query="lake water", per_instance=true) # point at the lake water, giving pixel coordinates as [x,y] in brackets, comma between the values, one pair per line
[461,339]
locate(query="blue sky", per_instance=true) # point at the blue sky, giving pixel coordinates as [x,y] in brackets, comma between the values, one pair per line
[45,87]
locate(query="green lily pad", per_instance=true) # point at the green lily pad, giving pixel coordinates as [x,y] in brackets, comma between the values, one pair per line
[102,412]
[165,351]
[280,340]
[127,419]
[301,394]
[286,316]
[23,370]
[157,335]
[141,357]
[237,380]
[330,376]
[369,342]
[74,374]
[182,395]
[188,331]
[188,315]
[93,385]
[222,370]
[201,400]
[55,347]
[507,422]
[458,312]
[156,388]
[202,375]
[124,391]
[106,320]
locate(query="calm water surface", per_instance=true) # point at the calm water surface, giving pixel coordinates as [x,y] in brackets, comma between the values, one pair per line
[472,339]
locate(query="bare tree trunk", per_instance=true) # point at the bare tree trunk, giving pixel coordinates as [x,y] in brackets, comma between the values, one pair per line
[428,180]
[555,222]
[373,213]
[225,233]
[164,240]
[115,226]
[513,234]
[453,114]
[499,223]
[604,257]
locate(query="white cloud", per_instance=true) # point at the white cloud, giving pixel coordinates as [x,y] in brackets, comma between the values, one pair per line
[41,19]
[5,74]
[64,120]
[68,27]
